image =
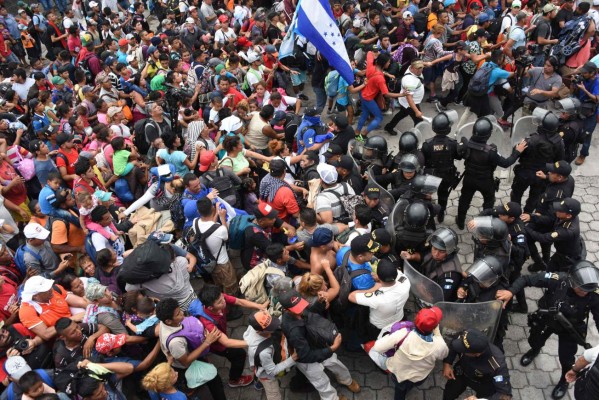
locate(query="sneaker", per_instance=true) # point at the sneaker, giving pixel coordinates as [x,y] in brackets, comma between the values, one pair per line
[504,123]
[354,387]
[303,97]
[440,107]
[245,380]
[579,160]
[258,385]
[432,99]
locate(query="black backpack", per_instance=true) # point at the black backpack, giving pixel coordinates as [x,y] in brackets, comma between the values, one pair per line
[206,261]
[147,261]
[344,277]
[494,29]
[479,84]
[223,184]
[277,342]
[321,331]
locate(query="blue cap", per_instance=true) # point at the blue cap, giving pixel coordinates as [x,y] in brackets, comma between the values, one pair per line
[482,18]
[447,3]
[320,237]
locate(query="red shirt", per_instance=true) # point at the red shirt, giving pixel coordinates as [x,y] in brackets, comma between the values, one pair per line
[376,80]
[71,158]
[8,297]
[285,203]
[220,322]
[237,97]
[4,49]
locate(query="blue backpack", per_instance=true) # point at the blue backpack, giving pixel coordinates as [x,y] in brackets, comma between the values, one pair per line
[237,228]
[90,249]
[20,258]
[122,191]
[196,308]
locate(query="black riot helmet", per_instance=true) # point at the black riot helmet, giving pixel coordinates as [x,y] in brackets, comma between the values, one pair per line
[409,163]
[549,124]
[441,124]
[482,130]
[584,276]
[489,230]
[486,271]
[375,148]
[416,216]
[408,142]
[426,184]
[444,239]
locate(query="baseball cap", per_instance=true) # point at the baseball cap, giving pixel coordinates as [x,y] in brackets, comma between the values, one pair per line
[333,150]
[320,237]
[112,111]
[386,271]
[448,3]
[327,173]
[277,167]
[161,237]
[254,57]
[428,319]
[344,162]
[341,122]
[460,45]
[107,342]
[111,60]
[166,21]
[516,4]
[482,18]
[381,236]
[263,321]
[130,58]
[470,341]
[279,116]
[35,145]
[63,138]
[551,7]
[372,191]
[595,3]
[311,112]
[39,75]
[265,210]
[510,208]
[223,18]
[35,231]
[93,4]
[231,124]
[206,160]
[270,49]
[406,14]
[87,89]
[123,42]
[57,80]
[16,367]
[480,33]
[567,205]
[475,6]
[244,42]
[364,244]
[102,195]
[190,21]
[588,67]
[357,23]
[292,301]
[37,284]
[129,36]
[152,50]
[560,167]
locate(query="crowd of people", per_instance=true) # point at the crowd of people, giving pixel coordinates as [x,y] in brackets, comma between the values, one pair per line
[162,170]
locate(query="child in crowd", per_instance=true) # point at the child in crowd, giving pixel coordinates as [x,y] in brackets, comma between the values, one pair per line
[250,196]
[124,158]
[146,310]
[47,198]
[33,386]
[87,203]
[160,383]
[216,104]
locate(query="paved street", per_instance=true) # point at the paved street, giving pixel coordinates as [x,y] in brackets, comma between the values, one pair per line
[534,382]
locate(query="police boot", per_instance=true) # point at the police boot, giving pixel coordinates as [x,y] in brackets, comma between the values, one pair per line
[560,390]
[546,251]
[528,357]
[441,215]
[460,222]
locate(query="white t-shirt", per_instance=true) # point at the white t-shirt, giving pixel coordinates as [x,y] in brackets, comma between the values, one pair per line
[356,233]
[224,37]
[254,76]
[100,243]
[286,101]
[507,21]
[121,130]
[67,23]
[22,89]
[414,86]
[216,241]
[386,304]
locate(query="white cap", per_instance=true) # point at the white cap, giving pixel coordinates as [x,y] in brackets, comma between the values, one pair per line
[230,124]
[516,3]
[130,58]
[406,14]
[357,23]
[16,367]
[327,173]
[37,284]
[129,36]
[190,21]
[36,231]
[253,57]
[93,4]
[190,9]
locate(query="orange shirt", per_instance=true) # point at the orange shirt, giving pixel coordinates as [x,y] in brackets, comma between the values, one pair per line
[51,312]
[285,203]
[61,234]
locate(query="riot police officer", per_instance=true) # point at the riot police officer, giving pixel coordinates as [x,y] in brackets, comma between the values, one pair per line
[544,147]
[481,160]
[411,234]
[401,181]
[375,154]
[480,366]
[408,144]
[491,237]
[565,235]
[439,155]
[560,186]
[571,127]
[484,277]
[563,310]
[421,191]
[440,262]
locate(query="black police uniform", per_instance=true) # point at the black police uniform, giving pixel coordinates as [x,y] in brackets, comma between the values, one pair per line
[439,154]
[559,296]
[565,236]
[411,240]
[542,149]
[419,156]
[446,273]
[587,384]
[433,208]
[353,180]
[481,160]
[543,223]
[397,180]
[572,133]
[487,374]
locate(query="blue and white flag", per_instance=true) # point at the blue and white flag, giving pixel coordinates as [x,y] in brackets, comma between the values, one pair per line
[288,42]
[314,20]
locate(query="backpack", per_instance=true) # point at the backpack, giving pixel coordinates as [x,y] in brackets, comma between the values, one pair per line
[245,86]
[147,261]
[344,277]
[90,250]
[141,139]
[479,84]
[420,22]
[193,332]
[277,342]
[331,83]
[122,190]
[196,309]
[321,331]
[252,283]
[20,258]
[237,227]
[318,129]
[494,29]
[409,325]
[344,236]
[348,202]
[223,184]
[83,65]
[199,248]
[177,213]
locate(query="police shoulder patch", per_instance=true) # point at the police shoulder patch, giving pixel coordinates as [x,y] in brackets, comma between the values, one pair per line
[554,234]
[498,378]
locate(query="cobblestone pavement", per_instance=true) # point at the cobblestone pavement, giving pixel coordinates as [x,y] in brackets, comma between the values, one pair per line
[534,382]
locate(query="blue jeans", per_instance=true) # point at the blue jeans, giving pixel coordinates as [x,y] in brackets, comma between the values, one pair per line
[47,4]
[129,87]
[539,60]
[370,107]
[62,5]
[321,98]
[402,388]
[588,125]
[12,57]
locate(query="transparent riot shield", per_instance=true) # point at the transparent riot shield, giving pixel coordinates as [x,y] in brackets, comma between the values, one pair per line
[426,292]
[425,131]
[395,220]
[386,201]
[458,317]
[523,128]
[355,149]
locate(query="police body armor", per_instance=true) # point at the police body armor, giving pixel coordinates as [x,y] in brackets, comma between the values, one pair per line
[562,298]
[440,160]
[542,149]
[434,269]
[573,134]
[477,159]
[410,239]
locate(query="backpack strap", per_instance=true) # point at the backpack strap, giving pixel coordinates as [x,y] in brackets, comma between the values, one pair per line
[336,194]
[355,273]
[207,234]
[265,344]
[45,377]
[26,249]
